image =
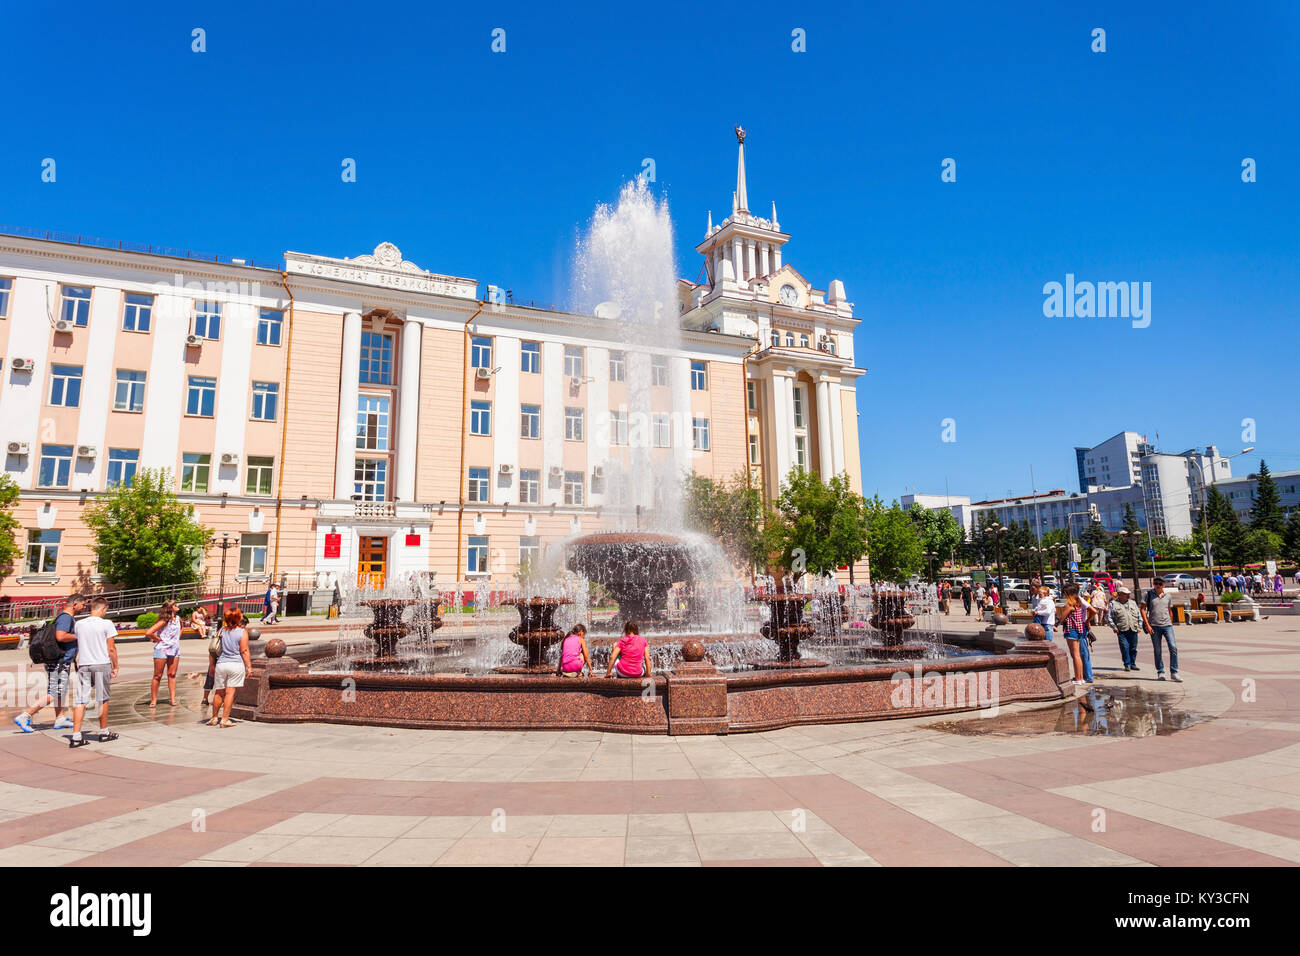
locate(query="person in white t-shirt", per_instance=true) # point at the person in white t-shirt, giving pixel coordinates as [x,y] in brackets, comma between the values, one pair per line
[96,668]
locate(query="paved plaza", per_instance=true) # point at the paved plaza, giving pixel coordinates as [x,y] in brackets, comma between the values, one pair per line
[1017,791]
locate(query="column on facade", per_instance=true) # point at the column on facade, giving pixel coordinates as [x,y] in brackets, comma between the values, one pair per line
[788,384]
[777,448]
[837,427]
[349,383]
[738,259]
[408,409]
[776,257]
[751,266]
[825,462]
[763,261]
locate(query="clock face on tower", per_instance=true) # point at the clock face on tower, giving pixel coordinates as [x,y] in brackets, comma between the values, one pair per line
[789,294]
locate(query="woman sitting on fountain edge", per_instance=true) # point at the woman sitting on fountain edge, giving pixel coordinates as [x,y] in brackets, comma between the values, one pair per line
[629,654]
[573,653]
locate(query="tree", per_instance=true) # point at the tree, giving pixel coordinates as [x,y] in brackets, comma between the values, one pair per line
[731,512]
[938,530]
[1217,507]
[1262,543]
[1131,520]
[1094,546]
[144,536]
[1266,506]
[9,547]
[1229,539]
[819,526]
[893,544]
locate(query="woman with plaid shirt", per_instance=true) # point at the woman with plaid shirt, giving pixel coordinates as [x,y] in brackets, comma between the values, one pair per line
[1076,635]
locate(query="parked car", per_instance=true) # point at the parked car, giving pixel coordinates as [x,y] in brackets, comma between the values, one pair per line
[1103,577]
[1182,582]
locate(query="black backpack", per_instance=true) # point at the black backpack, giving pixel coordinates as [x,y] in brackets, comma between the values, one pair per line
[43,646]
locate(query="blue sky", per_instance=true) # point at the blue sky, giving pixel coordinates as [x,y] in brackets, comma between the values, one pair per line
[1115,166]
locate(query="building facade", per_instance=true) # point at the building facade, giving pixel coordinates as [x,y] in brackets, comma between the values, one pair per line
[365,416]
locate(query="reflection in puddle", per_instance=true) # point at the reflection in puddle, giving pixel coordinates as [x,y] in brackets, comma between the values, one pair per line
[1104,712]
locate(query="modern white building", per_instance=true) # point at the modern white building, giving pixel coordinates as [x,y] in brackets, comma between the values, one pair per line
[1240,492]
[1114,463]
[959,505]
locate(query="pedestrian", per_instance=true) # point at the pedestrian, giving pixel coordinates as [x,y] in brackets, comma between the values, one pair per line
[946,600]
[166,636]
[1045,611]
[1218,581]
[96,668]
[629,655]
[980,596]
[272,603]
[233,665]
[57,672]
[1158,622]
[199,619]
[1277,585]
[574,655]
[1076,635]
[1126,618]
[994,597]
[1259,583]
[966,594]
[1100,605]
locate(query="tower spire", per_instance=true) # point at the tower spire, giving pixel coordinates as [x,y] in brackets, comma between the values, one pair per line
[742,199]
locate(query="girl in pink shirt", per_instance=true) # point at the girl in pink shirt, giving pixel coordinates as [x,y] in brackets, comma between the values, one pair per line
[629,655]
[573,653]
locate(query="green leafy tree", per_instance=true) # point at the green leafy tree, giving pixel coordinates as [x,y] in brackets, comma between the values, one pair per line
[1229,539]
[1266,506]
[820,526]
[9,546]
[732,513]
[938,530]
[1262,544]
[893,544]
[144,536]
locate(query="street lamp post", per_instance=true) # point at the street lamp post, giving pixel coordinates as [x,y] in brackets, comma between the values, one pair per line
[224,544]
[1131,537]
[998,533]
[1205,527]
[929,557]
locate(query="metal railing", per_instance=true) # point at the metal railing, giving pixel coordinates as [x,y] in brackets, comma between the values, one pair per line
[80,240]
[137,600]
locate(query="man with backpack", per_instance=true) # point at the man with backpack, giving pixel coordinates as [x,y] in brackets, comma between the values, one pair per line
[55,646]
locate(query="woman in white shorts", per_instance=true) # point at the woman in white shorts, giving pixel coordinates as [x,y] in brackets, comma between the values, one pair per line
[166,636]
[232,667]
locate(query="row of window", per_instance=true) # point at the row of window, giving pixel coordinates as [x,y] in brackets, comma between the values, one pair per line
[137,313]
[575,363]
[477,552]
[530,425]
[55,469]
[43,552]
[774,336]
[129,388]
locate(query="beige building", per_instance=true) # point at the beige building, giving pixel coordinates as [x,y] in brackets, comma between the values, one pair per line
[365,416]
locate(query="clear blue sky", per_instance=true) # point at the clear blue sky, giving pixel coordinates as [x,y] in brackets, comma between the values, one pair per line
[1117,166]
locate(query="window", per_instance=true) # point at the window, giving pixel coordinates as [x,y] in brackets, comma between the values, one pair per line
[753,449]
[259,475]
[699,377]
[618,427]
[372,422]
[201,397]
[265,396]
[56,465]
[128,393]
[370,479]
[798,407]
[801,451]
[789,339]
[376,359]
[195,469]
[269,323]
[137,312]
[661,430]
[529,483]
[617,366]
[476,555]
[252,554]
[751,396]
[480,418]
[803,340]
[65,385]
[775,337]
[478,484]
[573,361]
[573,424]
[122,463]
[480,352]
[530,421]
[530,357]
[42,551]
[700,434]
[75,305]
[530,551]
[6,293]
[658,370]
[573,487]
[207,320]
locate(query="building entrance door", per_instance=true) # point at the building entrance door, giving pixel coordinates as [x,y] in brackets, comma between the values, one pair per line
[372,562]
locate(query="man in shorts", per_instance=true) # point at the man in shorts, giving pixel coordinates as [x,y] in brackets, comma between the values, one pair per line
[57,672]
[96,668]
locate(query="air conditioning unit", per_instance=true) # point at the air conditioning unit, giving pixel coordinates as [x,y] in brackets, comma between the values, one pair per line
[193,340]
[18,448]
[598,472]
[62,325]
[557,471]
[575,383]
[86,451]
[482,373]
[22,365]
[230,458]
[507,469]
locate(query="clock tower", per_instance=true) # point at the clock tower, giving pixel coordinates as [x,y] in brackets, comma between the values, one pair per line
[800,377]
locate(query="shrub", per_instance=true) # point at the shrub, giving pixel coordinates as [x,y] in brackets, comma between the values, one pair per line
[1232,597]
[146,620]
